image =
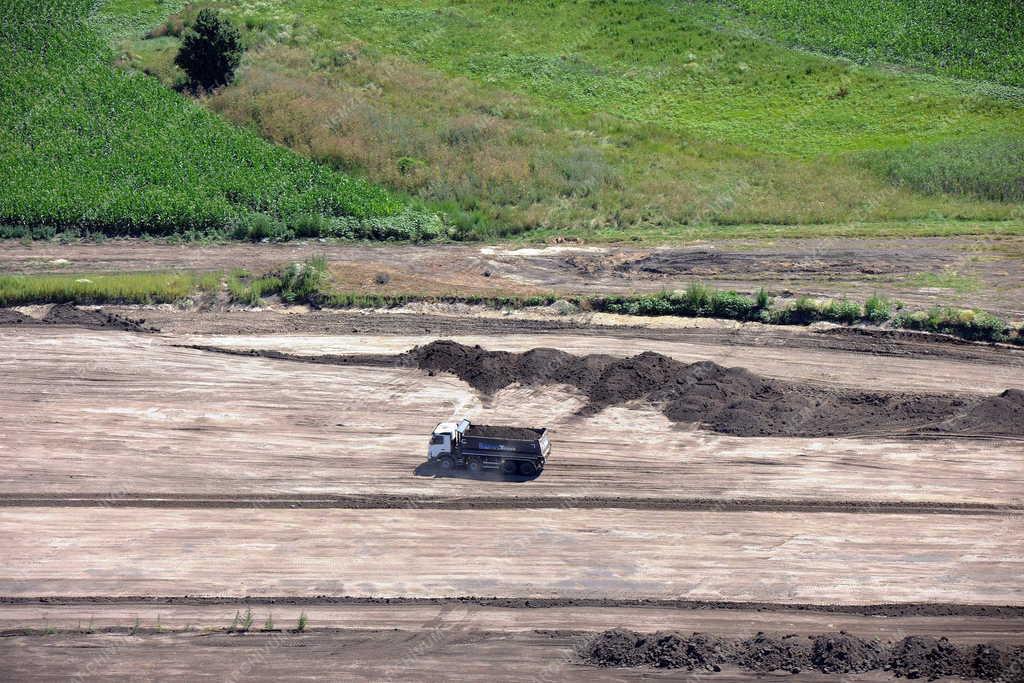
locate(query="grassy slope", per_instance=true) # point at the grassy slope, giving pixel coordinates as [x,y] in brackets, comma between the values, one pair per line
[973,40]
[85,146]
[612,118]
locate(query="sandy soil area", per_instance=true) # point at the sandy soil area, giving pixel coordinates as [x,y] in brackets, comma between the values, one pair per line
[116,414]
[967,271]
[769,557]
[133,467]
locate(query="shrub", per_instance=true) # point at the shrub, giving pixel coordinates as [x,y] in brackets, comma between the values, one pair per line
[841,311]
[300,281]
[877,309]
[801,312]
[263,227]
[210,51]
[965,323]
[308,225]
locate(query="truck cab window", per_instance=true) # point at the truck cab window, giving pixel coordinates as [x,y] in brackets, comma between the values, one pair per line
[436,439]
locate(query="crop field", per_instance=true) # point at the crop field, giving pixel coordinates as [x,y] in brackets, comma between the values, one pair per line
[87,148]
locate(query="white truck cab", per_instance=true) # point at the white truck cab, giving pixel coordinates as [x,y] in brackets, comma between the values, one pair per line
[444,437]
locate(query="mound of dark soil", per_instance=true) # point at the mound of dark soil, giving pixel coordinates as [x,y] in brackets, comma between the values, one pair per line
[987,662]
[927,657]
[700,651]
[11,317]
[727,400]
[1013,669]
[503,432]
[68,314]
[616,647]
[990,414]
[843,653]
[765,654]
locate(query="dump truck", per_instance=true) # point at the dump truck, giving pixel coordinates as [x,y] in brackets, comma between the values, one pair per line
[510,450]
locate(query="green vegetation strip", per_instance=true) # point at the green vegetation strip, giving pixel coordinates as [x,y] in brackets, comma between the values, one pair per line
[130,288]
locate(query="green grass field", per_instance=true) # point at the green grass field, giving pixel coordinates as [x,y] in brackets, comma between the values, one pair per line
[604,120]
[626,118]
[84,146]
[972,40]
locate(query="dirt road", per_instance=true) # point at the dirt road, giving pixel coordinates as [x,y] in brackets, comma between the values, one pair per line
[964,271]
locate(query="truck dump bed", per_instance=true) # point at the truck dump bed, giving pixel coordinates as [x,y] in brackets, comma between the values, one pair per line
[502,432]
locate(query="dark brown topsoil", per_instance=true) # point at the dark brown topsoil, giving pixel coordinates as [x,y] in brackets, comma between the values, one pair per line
[764,653]
[67,314]
[70,315]
[503,432]
[845,653]
[911,657]
[727,400]
[11,317]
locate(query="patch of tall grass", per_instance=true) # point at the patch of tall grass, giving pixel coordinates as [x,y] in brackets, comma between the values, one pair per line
[127,288]
[989,167]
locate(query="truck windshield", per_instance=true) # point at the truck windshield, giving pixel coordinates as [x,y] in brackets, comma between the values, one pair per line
[437,438]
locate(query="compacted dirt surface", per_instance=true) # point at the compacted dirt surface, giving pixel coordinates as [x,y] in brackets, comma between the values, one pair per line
[178,495]
[959,271]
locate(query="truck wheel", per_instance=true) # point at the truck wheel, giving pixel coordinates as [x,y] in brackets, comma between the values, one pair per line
[508,467]
[474,466]
[445,464]
[527,468]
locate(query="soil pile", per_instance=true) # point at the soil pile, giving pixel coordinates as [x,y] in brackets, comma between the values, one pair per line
[726,400]
[616,647]
[843,653]
[700,651]
[502,432]
[839,653]
[68,314]
[9,316]
[665,649]
[765,654]
[927,657]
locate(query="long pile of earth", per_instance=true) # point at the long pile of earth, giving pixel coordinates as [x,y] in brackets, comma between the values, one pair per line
[9,316]
[726,400]
[68,314]
[71,315]
[840,653]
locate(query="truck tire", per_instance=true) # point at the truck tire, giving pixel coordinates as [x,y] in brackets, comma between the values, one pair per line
[508,467]
[474,466]
[527,468]
[445,464]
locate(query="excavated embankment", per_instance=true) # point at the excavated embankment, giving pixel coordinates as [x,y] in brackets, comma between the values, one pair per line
[838,653]
[727,400]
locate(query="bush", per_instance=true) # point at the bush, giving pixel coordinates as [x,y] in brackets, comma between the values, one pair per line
[841,311]
[965,323]
[210,51]
[309,225]
[301,281]
[263,227]
[877,309]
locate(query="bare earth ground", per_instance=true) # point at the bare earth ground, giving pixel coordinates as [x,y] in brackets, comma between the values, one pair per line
[134,469]
[960,271]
